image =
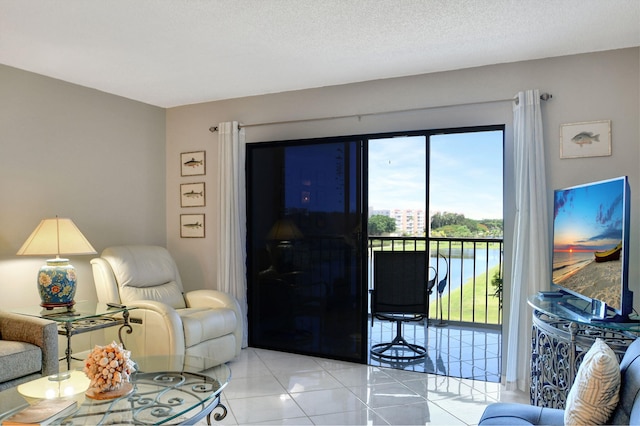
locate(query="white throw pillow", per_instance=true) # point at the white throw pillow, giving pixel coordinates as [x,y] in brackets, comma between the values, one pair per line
[594,393]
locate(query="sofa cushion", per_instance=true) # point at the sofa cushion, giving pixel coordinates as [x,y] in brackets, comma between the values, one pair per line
[594,393]
[512,414]
[202,324]
[18,359]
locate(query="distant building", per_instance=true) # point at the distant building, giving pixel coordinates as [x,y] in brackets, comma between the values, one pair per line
[408,221]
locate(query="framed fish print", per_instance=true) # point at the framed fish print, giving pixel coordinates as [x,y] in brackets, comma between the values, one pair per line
[192,225]
[192,163]
[589,139]
[192,195]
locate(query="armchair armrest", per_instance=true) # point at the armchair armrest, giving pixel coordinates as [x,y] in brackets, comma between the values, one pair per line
[218,299]
[160,329]
[37,331]
[211,299]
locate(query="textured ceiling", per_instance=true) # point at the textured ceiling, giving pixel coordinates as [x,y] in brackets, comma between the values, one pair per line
[176,52]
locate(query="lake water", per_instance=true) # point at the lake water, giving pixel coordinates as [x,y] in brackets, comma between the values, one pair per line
[461,267]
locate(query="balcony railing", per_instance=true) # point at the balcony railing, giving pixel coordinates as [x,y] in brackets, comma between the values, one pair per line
[472,267]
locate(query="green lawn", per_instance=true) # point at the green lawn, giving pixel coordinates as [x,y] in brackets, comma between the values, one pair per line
[474,304]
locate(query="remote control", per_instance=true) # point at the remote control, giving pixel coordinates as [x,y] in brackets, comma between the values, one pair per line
[115,305]
[551,294]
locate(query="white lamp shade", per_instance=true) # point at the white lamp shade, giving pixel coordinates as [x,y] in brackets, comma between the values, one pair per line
[56,236]
[284,230]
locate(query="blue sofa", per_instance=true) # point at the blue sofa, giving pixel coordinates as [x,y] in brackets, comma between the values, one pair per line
[627,411]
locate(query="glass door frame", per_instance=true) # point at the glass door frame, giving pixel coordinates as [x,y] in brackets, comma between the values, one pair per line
[353,169]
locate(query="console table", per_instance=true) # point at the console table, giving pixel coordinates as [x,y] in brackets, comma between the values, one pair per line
[563,331]
[82,317]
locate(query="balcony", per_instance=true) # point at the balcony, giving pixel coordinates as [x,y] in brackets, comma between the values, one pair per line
[463,335]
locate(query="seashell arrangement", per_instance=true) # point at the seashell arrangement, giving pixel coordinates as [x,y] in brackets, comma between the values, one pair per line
[108,367]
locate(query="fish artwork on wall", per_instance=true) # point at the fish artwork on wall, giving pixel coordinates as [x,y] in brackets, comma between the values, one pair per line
[192,194]
[192,163]
[192,225]
[585,139]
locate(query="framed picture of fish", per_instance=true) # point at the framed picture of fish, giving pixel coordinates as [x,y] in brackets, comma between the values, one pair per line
[192,163]
[589,139]
[192,225]
[192,195]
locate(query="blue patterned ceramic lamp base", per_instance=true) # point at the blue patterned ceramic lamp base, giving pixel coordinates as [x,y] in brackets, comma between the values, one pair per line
[57,283]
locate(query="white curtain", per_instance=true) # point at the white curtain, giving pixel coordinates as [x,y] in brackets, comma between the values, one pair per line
[531,249]
[232,229]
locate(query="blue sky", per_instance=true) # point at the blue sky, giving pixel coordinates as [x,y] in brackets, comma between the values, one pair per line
[465,174]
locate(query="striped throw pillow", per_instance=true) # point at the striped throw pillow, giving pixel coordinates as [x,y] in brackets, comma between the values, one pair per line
[594,393]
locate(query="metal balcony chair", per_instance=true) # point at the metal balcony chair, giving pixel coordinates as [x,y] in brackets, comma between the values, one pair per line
[400,294]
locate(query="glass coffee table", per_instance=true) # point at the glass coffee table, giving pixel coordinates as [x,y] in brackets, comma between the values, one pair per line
[162,395]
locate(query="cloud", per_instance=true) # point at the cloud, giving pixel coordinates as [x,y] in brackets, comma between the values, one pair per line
[562,198]
[605,214]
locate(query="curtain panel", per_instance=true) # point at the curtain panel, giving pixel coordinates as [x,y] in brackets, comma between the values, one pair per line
[232,230]
[531,259]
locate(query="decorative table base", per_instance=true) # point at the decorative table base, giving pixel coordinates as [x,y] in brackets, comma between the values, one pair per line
[557,348]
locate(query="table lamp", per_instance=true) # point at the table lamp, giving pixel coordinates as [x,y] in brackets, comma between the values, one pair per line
[282,236]
[56,279]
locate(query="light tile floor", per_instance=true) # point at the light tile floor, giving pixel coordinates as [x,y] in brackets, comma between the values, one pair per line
[470,353]
[269,387]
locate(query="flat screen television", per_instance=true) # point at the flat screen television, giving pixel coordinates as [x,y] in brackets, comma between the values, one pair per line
[591,244]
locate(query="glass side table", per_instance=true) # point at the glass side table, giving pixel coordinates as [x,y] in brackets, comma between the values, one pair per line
[83,317]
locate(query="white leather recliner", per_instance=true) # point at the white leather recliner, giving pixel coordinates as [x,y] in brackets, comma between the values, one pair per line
[203,326]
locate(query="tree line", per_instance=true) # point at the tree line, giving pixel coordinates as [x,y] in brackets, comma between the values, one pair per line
[444,224]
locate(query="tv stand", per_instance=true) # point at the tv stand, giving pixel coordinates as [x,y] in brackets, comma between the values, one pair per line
[563,331]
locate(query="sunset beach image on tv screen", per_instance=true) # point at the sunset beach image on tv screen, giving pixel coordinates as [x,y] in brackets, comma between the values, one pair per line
[588,228]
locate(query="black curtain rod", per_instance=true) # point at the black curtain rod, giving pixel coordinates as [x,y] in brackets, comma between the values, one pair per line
[543,97]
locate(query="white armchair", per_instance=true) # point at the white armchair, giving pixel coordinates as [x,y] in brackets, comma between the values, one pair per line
[204,326]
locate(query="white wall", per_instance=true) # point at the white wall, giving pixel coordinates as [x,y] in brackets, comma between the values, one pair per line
[598,86]
[75,152]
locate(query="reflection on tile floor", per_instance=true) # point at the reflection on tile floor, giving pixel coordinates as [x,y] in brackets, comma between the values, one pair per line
[469,353]
[270,387]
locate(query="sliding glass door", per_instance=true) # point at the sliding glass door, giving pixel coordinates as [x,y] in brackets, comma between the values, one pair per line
[304,265]
[308,205]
